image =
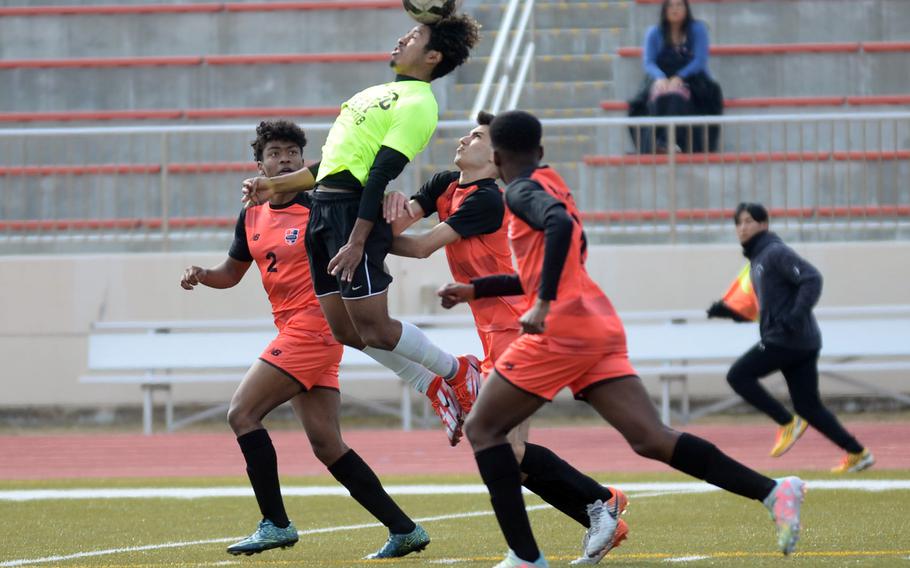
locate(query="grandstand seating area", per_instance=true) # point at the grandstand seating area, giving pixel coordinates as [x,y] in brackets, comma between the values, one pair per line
[177,64]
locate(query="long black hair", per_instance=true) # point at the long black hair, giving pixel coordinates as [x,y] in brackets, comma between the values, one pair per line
[665,25]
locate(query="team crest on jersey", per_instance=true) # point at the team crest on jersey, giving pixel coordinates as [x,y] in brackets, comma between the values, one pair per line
[290,236]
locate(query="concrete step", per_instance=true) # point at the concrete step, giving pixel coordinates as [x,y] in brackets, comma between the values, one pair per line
[568,14]
[557,148]
[568,94]
[206,86]
[830,183]
[785,21]
[559,41]
[461,114]
[791,75]
[586,67]
[164,34]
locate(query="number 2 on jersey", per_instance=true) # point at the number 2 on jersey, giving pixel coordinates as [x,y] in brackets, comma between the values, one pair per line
[274,258]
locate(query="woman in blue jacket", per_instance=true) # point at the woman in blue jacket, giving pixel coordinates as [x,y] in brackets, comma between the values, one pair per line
[678,81]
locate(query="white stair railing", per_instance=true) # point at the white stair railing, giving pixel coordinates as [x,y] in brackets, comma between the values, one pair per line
[506,29]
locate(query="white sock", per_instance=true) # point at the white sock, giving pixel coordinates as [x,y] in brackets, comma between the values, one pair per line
[410,372]
[416,346]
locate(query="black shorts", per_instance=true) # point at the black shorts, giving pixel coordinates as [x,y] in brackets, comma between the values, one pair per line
[332,219]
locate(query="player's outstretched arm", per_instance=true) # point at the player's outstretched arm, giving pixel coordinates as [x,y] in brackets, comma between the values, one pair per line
[258,190]
[226,275]
[400,212]
[455,293]
[425,244]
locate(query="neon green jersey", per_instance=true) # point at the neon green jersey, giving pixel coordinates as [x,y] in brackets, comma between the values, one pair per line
[401,115]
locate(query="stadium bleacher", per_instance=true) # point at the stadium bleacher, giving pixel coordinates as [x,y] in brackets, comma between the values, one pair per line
[587,61]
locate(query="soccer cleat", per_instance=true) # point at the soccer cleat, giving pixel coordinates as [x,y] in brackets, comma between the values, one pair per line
[784,502]
[622,530]
[445,405]
[466,382]
[400,545]
[787,435]
[853,463]
[513,561]
[607,530]
[266,537]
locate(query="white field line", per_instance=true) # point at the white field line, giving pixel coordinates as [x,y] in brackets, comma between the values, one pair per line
[642,490]
[338,490]
[686,558]
[109,551]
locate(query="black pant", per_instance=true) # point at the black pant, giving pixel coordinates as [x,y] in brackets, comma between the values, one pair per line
[800,369]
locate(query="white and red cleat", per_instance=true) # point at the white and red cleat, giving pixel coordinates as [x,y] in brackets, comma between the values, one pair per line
[445,405]
[466,382]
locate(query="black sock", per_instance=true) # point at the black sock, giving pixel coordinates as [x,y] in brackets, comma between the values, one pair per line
[499,471]
[558,483]
[700,458]
[262,469]
[352,472]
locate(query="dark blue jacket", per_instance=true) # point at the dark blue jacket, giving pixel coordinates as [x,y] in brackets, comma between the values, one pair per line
[696,41]
[787,287]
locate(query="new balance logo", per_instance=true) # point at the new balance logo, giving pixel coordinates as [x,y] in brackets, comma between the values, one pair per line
[256,237]
[276,352]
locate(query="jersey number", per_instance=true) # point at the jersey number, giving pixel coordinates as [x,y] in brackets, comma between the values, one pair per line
[271,256]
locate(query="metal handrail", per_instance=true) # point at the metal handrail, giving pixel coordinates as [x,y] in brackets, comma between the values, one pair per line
[460,124]
[505,28]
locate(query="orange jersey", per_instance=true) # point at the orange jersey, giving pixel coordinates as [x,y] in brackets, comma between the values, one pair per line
[581,318]
[481,255]
[273,237]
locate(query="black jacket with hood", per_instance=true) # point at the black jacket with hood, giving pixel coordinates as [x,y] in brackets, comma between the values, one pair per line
[787,287]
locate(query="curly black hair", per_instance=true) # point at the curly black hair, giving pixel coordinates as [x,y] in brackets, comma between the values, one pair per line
[453,37]
[516,131]
[271,130]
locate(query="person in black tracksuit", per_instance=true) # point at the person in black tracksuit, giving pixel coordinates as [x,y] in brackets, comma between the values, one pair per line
[787,288]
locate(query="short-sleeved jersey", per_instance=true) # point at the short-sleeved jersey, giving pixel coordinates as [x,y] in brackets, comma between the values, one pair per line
[476,212]
[401,115]
[581,318]
[273,237]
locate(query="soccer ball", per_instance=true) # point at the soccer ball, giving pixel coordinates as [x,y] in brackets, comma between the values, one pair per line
[428,11]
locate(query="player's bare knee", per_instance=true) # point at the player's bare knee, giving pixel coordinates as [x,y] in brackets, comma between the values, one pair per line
[348,337]
[328,449]
[241,420]
[377,338]
[655,444]
[479,432]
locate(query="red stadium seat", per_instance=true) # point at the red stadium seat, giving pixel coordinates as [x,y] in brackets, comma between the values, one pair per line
[764,49]
[744,158]
[167,114]
[116,9]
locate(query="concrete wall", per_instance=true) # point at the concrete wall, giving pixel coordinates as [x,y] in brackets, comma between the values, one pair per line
[786,21]
[50,302]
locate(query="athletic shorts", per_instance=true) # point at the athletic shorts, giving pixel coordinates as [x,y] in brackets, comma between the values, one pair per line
[495,344]
[308,358]
[332,219]
[531,366]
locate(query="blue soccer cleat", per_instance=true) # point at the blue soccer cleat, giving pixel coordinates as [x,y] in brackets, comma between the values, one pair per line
[266,537]
[400,545]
